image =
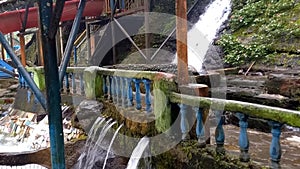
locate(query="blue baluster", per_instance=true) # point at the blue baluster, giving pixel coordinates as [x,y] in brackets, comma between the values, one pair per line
[275,148]
[105,89]
[124,92]
[137,94]
[81,84]
[243,138]
[110,88]
[129,92]
[148,95]
[67,82]
[73,82]
[114,89]
[118,91]
[184,124]
[200,127]
[21,80]
[219,132]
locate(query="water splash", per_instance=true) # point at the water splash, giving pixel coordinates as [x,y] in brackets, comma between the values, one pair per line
[137,153]
[92,154]
[205,30]
[90,139]
[109,147]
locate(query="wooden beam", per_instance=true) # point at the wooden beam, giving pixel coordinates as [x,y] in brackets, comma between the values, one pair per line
[23,54]
[181,41]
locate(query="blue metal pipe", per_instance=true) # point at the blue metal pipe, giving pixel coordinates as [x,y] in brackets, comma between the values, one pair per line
[52,83]
[71,40]
[39,95]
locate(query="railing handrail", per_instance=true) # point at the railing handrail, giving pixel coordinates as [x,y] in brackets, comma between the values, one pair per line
[151,75]
[281,115]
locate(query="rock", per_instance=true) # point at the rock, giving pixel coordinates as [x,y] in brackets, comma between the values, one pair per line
[87,112]
[284,84]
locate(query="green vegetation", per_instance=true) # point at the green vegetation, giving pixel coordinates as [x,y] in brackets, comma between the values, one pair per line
[263,30]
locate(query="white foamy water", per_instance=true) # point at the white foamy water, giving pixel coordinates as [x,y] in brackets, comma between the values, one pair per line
[137,153]
[9,145]
[205,30]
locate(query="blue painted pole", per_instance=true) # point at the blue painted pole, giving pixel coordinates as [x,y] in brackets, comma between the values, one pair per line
[71,40]
[275,147]
[39,95]
[184,124]
[243,138]
[137,94]
[52,84]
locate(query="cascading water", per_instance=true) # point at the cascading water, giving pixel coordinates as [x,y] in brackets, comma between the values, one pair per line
[110,144]
[93,150]
[205,30]
[137,153]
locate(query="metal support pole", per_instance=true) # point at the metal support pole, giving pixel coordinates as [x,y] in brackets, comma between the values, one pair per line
[71,40]
[52,82]
[181,42]
[23,71]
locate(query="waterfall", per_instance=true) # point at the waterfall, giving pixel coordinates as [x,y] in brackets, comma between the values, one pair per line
[204,31]
[110,144]
[137,153]
[93,150]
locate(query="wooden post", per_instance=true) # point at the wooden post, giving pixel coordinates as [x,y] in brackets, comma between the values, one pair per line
[181,42]
[22,48]
[39,41]
[2,52]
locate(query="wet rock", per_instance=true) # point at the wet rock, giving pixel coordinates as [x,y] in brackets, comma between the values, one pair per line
[213,58]
[285,84]
[87,112]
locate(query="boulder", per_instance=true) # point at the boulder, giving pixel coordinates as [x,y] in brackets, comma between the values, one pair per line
[87,112]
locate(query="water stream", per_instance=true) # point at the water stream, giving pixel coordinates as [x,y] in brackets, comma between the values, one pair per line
[205,30]
[137,153]
[93,151]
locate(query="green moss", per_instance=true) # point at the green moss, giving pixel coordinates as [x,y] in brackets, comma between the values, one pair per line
[162,104]
[261,28]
